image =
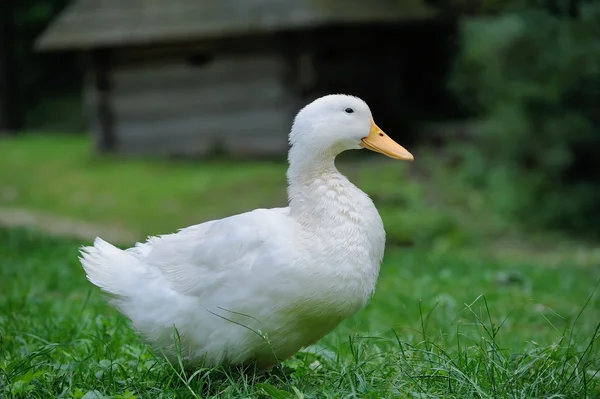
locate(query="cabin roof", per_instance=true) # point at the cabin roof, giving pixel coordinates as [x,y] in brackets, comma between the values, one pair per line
[87,24]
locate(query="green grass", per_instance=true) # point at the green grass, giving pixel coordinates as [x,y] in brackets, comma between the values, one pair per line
[61,175]
[460,310]
[439,325]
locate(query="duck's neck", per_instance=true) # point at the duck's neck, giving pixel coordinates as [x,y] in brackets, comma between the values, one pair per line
[335,211]
[319,195]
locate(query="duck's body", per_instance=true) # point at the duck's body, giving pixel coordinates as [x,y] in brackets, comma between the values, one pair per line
[253,288]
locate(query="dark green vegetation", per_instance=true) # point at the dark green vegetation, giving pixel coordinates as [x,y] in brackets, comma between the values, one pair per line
[532,75]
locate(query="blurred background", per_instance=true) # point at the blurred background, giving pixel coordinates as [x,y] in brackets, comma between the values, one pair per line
[148,115]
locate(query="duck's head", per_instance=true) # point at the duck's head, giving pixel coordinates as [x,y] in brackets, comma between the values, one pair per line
[336,123]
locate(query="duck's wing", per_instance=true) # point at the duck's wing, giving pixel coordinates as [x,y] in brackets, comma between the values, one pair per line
[200,259]
[194,261]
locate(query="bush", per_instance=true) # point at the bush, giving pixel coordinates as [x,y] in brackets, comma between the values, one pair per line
[533,77]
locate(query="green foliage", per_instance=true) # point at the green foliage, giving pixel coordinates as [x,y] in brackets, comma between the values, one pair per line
[471,7]
[30,18]
[48,83]
[533,76]
[461,329]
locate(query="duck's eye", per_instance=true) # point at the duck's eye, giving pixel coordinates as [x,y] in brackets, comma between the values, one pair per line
[349,110]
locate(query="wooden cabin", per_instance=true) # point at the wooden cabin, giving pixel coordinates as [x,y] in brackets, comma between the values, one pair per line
[188,77]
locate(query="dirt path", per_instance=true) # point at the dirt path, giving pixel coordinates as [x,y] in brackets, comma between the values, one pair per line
[86,232]
[62,227]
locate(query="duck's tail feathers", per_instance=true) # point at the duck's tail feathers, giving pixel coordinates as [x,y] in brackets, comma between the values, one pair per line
[113,270]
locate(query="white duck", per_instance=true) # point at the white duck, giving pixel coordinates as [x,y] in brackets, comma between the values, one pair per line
[255,288]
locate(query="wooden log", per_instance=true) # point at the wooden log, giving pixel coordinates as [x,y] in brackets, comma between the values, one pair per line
[178,72]
[235,124]
[182,101]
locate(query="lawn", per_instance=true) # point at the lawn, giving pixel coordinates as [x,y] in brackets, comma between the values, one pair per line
[456,313]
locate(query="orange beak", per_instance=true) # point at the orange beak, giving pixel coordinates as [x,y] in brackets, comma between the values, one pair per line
[380,142]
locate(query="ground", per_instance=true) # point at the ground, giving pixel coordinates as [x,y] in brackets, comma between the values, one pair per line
[460,310]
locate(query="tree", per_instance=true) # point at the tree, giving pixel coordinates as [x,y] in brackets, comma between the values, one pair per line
[11,115]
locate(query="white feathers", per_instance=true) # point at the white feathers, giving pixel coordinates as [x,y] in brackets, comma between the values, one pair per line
[258,286]
[113,277]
